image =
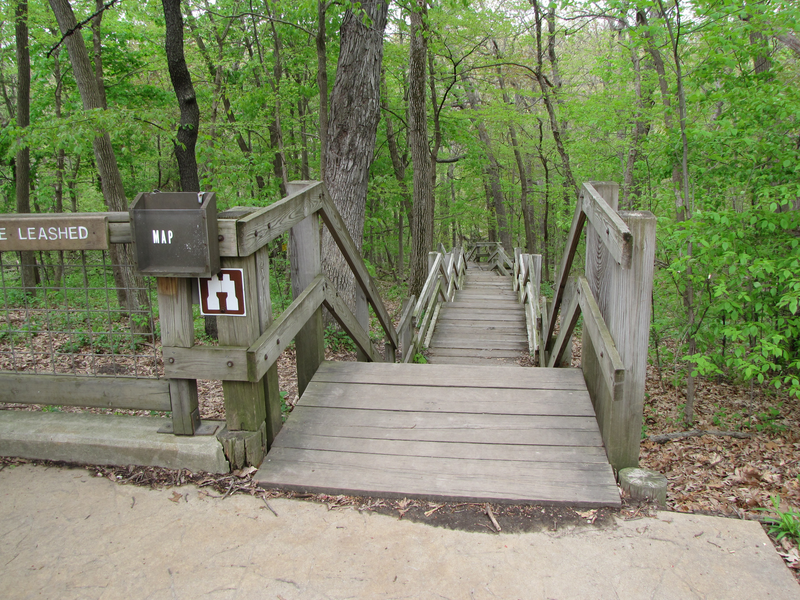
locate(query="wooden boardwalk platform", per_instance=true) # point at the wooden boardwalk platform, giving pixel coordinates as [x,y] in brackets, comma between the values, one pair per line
[483,325]
[447,432]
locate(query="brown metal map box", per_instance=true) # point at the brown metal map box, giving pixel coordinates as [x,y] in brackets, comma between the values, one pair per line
[175,234]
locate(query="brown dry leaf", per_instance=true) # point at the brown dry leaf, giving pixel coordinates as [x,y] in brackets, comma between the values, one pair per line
[176,497]
[241,473]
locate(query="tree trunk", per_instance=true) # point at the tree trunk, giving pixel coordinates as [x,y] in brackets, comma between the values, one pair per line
[97,47]
[422,211]
[544,87]
[28,271]
[523,179]
[131,291]
[322,84]
[352,129]
[492,170]
[184,92]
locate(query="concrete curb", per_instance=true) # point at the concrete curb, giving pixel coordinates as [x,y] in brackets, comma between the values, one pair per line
[106,440]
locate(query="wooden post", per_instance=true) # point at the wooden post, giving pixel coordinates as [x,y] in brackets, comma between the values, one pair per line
[304,255]
[623,296]
[177,329]
[245,437]
[362,316]
[272,394]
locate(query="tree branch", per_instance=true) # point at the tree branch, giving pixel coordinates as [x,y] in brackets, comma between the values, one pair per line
[80,25]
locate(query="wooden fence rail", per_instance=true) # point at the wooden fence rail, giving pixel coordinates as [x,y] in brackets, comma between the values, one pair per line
[446,272]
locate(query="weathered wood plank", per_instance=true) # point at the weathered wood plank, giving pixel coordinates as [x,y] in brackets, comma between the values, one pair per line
[404,328]
[476,353]
[500,361]
[177,329]
[479,326]
[428,288]
[376,474]
[101,392]
[573,238]
[480,343]
[611,367]
[608,225]
[486,426]
[267,224]
[245,401]
[265,350]
[623,297]
[456,399]
[340,311]
[230,363]
[445,375]
[545,437]
[456,314]
[272,395]
[305,265]
[295,438]
[569,318]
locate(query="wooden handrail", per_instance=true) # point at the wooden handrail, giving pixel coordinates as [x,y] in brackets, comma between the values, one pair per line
[583,302]
[612,230]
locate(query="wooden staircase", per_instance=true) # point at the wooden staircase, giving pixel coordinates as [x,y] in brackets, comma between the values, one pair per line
[471,426]
[483,325]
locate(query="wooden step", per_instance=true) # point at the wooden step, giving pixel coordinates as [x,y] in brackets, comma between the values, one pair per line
[469,433]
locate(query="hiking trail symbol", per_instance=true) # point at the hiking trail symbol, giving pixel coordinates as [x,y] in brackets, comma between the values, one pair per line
[223,293]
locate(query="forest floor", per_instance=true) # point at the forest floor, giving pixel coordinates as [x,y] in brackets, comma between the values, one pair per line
[741,454]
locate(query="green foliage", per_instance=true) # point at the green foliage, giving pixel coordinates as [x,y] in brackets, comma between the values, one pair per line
[786,524]
[744,269]
[337,340]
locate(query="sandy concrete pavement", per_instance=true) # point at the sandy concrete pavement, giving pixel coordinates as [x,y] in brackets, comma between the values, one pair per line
[66,534]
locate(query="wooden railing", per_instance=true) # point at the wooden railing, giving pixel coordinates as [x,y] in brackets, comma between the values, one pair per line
[246,358]
[445,275]
[249,345]
[527,282]
[493,253]
[614,298]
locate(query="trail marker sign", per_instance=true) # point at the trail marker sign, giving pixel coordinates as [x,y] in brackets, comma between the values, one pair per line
[223,293]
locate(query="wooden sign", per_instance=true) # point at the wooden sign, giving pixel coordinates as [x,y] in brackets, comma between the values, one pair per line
[66,231]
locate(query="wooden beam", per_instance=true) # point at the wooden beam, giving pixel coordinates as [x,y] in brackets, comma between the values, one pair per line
[208,362]
[100,392]
[338,308]
[610,228]
[265,350]
[612,369]
[267,224]
[305,265]
[578,220]
[177,329]
[404,328]
[569,318]
[430,282]
[270,382]
[338,230]
[426,320]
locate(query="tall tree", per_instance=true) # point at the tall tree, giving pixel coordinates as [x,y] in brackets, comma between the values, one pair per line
[186,140]
[131,290]
[421,228]
[23,159]
[352,129]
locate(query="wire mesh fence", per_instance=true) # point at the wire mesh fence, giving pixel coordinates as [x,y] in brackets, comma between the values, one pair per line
[67,312]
